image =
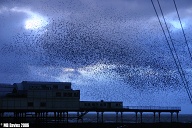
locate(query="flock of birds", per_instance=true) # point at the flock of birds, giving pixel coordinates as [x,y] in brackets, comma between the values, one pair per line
[78,44]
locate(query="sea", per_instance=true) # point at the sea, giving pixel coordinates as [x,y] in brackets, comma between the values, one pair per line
[110,120]
[131,118]
[91,117]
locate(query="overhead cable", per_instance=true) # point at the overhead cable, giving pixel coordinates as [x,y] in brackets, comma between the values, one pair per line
[175,57]
[182,30]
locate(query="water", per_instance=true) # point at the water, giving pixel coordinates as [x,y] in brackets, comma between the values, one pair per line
[131,118]
[127,117]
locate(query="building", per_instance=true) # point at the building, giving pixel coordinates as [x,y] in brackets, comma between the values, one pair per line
[31,95]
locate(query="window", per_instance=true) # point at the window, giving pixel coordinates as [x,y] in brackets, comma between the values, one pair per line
[30,104]
[65,94]
[42,104]
[35,87]
[76,94]
[14,90]
[55,86]
[68,94]
[58,94]
[44,87]
[67,87]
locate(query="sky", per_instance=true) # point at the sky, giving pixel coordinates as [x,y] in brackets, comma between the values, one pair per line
[110,50]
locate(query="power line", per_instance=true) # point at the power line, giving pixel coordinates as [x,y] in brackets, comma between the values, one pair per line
[182,72]
[175,58]
[182,30]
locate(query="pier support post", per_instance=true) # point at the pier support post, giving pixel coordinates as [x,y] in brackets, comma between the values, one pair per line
[141,113]
[77,117]
[60,116]
[67,117]
[1,114]
[177,116]
[46,116]
[154,117]
[116,117]
[159,116]
[55,116]
[97,117]
[63,116]
[171,117]
[121,117]
[102,116]
[136,116]
[25,116]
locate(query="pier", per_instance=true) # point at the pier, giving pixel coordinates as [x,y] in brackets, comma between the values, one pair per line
[63,116]
[56,102]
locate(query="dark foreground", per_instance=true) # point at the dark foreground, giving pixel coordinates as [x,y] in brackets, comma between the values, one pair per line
[114,125]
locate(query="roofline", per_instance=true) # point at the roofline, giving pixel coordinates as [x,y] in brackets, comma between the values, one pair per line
[44,82]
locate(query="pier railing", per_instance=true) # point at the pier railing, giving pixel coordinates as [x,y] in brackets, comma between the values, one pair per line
[152,108]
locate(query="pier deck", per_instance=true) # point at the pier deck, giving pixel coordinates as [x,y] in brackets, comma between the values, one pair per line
[62,115]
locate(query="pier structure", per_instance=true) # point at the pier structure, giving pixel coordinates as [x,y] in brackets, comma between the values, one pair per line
[55,101]
[65,116]
[139,111]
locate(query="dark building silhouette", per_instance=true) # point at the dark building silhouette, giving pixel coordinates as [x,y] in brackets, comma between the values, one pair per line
[50,96]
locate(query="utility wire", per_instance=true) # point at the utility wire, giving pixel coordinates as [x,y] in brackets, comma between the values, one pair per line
[182,78]
[182,30]
[179,63]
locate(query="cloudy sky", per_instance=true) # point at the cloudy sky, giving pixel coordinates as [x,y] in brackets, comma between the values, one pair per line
[110,50]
